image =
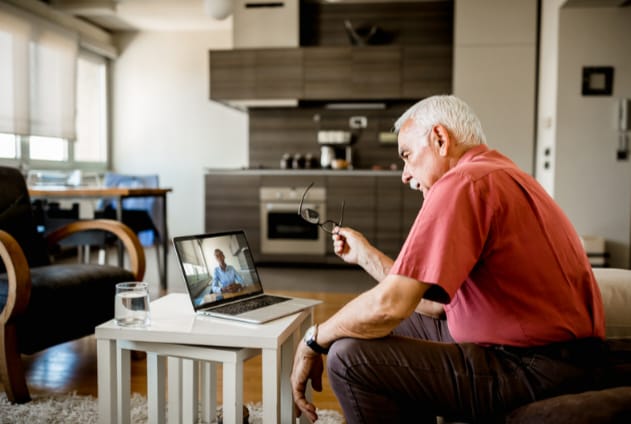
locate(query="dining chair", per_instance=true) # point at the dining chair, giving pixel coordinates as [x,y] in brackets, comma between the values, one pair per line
[142,214]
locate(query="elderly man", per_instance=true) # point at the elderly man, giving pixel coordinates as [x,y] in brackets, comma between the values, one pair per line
[490,304]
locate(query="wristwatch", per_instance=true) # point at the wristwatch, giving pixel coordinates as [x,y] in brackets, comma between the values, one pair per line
[310,340]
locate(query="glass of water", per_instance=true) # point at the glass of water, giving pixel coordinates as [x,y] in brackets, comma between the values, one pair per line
[131,305]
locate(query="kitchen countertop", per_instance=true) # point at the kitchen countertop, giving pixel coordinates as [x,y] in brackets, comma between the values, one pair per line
[278,171]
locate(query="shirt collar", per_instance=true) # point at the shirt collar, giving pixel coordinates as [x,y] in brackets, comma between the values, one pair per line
[471,154]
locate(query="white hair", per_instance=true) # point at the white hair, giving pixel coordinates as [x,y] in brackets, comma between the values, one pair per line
[449,111]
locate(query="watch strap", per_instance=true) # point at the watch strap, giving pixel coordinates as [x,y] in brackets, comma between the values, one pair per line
[311,342]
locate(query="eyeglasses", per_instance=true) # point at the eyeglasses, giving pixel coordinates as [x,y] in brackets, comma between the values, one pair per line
[313,217]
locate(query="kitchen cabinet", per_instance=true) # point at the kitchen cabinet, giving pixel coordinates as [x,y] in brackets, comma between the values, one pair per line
[256,74]
[327,73]
[377,204]
[388,214]
[425,71]
[396,209]
[376,72]
[232,202]
[330,73]
[358,196]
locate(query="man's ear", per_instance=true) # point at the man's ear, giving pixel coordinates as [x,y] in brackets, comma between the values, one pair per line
[442,138]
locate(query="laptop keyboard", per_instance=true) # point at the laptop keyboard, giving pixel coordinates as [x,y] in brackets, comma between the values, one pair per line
[249,305]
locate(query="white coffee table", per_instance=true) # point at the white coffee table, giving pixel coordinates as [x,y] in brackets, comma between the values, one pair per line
[178,333]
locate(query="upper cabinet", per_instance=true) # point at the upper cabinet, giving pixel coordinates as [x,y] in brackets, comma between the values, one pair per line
[330,73]
[410,56]
[256,74]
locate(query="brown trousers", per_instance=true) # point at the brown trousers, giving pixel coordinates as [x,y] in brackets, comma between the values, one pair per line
[419,372]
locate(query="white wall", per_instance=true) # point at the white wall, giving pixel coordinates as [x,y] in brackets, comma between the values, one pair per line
[164,122]
[495,71]
[590,184]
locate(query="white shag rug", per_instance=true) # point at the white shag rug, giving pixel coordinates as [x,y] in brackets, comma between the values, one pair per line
[74,409]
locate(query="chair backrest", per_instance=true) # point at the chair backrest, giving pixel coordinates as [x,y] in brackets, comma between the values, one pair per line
[16,217]
[148,204]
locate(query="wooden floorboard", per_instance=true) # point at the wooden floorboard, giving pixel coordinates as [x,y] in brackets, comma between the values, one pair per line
[72,366]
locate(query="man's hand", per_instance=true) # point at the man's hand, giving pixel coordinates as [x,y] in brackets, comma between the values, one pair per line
[349,244]
[307,366]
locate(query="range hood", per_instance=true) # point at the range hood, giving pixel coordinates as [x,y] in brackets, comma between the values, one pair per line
[266,23]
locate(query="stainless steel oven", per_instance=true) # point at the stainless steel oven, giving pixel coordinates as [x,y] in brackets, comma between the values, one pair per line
[283,230]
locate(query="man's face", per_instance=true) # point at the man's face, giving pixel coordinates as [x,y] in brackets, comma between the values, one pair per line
[220,257]
[422,154]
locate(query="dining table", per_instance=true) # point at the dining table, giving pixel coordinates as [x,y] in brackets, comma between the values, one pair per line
[59,192]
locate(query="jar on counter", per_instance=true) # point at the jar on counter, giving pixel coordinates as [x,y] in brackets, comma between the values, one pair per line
[298,162]
[309,161]
[285,161]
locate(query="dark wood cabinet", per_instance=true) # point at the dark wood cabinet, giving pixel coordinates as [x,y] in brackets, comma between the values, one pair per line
[376,72]
[412,200]
[425,71]
[327,73]
[330,73]
[379,206]
[358,195]
[249,74]
[232,202]
[388,214]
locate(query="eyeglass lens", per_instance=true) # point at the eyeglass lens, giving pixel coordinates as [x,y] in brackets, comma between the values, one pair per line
[313,217]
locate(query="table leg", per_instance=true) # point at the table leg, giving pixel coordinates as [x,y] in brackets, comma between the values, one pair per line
[174,382]
[124,385]
[304,325]
[208,394]
[233,392]
[156,369]
[190,381]
[165,244]
[286,364]
[271,385]
[106,377]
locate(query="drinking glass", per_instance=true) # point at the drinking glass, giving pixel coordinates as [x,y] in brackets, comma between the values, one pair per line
[131,305]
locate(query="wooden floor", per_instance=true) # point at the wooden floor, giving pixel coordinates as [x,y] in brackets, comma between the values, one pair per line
[73,367]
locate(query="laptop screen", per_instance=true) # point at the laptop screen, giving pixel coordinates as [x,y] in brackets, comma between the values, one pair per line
[217,268]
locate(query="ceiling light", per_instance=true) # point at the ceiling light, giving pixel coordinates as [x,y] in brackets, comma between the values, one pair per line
[218,9]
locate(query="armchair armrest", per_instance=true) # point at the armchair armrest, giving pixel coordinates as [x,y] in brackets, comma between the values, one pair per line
[124,233]
[18,275]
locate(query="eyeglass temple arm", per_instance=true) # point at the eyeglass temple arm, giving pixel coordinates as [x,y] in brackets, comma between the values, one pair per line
[303,198]
[341,215]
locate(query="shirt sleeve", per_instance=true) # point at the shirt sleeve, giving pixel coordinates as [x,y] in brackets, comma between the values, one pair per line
[448,236]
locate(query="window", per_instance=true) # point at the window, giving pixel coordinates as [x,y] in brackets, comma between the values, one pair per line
[48,148]
[91,142]
[53,108]
[9,146]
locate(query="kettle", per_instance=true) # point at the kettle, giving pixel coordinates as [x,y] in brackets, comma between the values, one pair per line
[327,154]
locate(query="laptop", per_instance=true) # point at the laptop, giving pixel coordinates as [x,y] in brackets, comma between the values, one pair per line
[222,280]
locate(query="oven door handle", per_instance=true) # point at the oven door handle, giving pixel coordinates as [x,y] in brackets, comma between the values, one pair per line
[290,207]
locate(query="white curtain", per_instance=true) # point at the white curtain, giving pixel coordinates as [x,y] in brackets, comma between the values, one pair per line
[38,63]
[14,77]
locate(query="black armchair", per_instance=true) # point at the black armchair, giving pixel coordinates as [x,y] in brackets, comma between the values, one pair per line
[44,304]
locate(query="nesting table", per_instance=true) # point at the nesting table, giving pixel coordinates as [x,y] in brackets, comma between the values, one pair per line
[187,347]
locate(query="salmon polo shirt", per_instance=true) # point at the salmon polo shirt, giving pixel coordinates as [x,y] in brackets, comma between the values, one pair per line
[511,267]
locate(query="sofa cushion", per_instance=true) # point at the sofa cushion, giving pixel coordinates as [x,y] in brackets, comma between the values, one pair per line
[615,288]
[599,406]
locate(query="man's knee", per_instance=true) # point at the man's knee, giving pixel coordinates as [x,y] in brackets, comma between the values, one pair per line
[340,356]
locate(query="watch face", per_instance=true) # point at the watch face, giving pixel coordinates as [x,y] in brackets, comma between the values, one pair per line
[309,333]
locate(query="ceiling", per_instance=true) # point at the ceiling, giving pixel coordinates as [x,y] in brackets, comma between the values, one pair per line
[144,15]
[162,15]
[597,3]
[192,15]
